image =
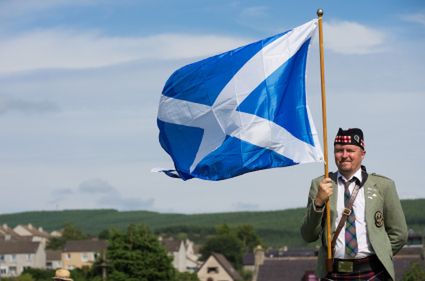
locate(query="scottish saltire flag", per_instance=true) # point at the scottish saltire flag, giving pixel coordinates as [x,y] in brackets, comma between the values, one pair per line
[240,111]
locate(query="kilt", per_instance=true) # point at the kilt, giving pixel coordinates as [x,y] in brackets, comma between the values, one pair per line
[367,269]
[358,276]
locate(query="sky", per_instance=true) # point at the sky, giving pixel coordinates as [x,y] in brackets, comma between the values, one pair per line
[80,83]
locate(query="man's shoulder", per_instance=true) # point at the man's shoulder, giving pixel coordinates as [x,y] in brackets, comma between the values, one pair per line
[380,178]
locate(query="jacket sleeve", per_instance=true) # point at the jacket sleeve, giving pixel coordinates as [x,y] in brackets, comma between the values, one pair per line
[395,221]
[311,227]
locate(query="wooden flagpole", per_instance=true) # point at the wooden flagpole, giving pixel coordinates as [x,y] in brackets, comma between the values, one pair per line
[325,138]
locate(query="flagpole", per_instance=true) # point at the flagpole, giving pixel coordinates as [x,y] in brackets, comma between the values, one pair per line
[325,137]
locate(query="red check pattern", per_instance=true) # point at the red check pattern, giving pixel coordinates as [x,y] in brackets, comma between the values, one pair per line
[343,139]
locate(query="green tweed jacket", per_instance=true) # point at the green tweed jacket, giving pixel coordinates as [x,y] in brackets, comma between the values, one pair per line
[385,221]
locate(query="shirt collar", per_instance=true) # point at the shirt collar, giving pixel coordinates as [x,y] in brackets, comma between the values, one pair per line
[357,174]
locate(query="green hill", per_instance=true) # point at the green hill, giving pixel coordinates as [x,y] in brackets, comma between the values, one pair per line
[276,228]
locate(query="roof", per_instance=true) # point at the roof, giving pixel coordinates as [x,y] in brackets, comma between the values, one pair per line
[227,266]
[7,233]
[85,246]
[171,245]
[296,252]
[53,255]
[405,258]
[248,259]
[39,232]
[286,268]
[18,247]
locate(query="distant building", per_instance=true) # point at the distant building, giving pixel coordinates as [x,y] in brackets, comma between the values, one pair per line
[217,268]
[7,233]
[82,253]
[33,233]
[184,257]
[53,259]
[19,254]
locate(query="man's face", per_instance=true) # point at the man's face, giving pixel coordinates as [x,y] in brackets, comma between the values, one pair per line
[348,158]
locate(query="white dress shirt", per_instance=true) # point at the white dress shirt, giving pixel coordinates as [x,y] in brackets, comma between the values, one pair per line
[364,247]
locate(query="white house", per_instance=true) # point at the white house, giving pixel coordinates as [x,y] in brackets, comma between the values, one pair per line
[217,268]
[17,255]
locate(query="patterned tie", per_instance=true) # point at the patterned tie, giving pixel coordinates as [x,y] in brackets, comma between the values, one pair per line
[351,248]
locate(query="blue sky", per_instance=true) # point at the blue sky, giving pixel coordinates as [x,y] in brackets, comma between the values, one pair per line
[81,80]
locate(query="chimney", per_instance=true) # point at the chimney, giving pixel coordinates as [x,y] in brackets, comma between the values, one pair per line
[259,260]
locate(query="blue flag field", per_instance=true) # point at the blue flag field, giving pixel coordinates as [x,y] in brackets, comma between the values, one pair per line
[241,111]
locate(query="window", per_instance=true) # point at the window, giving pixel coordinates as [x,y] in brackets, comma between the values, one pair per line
[29,257]
[85,257]
[68,256]
[212,269]
[3,271]
[210,279]
[12,270]
[12,258]
[1,257]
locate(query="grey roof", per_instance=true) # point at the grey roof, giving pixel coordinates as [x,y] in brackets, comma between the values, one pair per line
[53,255]
[7,231]
[171,245]
[248,259]
[227,266]
[18,247]
[286,268]
[85,246]
[36,231]
[405,258]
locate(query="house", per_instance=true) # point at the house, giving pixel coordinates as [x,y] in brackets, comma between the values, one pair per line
[176,249]
[53,259]
[33,233]
[192,256]
[217,268]
[185,259]
[19,254]
[7,233]
[82,253]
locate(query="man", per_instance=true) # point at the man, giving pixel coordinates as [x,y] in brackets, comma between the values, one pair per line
[62,275]
[373,228]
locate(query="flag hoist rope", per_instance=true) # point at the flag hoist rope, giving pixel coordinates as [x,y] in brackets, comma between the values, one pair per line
[325,138]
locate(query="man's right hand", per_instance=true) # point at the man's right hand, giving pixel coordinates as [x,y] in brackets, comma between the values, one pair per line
[324,192]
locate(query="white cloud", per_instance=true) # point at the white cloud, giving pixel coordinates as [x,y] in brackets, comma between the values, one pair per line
[58,48]
[353,38]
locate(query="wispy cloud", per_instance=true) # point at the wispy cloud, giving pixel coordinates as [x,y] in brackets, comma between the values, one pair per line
[254,12]
[95,186]
[25,106]
[418,18]
[353,38]
[110,197]
[70,49]
[241,206]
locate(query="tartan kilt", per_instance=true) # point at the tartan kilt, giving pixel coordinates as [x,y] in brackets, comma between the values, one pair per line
[382,275]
